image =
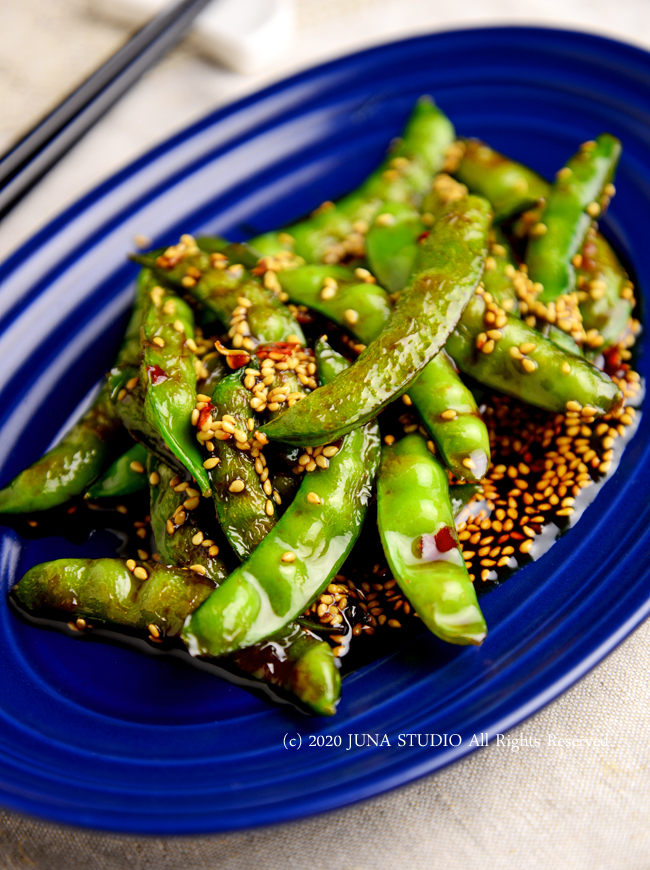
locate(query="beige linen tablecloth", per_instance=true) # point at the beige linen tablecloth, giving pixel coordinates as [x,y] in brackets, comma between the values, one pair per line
[575,791]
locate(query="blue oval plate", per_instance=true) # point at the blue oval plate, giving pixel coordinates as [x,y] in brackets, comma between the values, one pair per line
[101,736]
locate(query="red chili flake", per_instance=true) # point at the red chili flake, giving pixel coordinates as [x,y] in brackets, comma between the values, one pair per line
[446,539]
[423,236]
[205,414]
[237,360]
[156,375]
[286,348]
[431,547]
[613,360]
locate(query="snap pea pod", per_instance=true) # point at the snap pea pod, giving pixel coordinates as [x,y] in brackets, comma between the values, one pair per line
[460,495]
[511,187]
[449,412]
[575,199]
[609,291]
[237,488]
[543,374]
[497,278]
[294,660]
[179,543]
[217,368]
[124,476]
[68,468]
[88,448]
[168,378]
[298,662]
[335,232]
[392,244]
[106,589]
[418,534]
[450,266]
[297,559]
[220,286]
[609,312]
[337,292]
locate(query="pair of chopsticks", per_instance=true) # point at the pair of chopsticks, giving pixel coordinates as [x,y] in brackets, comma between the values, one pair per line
[28,161]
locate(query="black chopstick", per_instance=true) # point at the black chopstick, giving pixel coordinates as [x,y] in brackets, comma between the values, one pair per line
[28,161]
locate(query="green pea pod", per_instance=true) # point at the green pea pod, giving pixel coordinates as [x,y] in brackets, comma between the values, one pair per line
[575,199]
[338,294]
[609,291]
[219,286]
[450,266]
[335,232]
[168,378]
[125,476]
[418,534]
[68,468]
[511,187]
[555,377]
[106,589]
[297,559]
[295,661]
[217,369]
[88,448]
[242,512]
[392,244]
[449,412]
[236,252]
[175,541]
[460,495]
[330,363]
[497,278]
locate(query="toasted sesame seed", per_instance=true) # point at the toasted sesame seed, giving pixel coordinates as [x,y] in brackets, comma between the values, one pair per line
[154,478]
[136,466]
[313,498]
[198,569]
[211,463]
[269,508]
[237,485]
[288,556]
[449,414]
[140,573]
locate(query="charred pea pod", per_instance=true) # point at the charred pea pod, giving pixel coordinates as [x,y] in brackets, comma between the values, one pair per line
[511,187]
[298,558]
[578,195]
[336,232]
[450,414]
[392,244]
[179,539]
[135,594]
[498,275]
[295,661]
[241,488]
[168,378]
[450,266]
[419,538]
[227,292]
[125,476]
[89,447]
[608,290]
[217,368]
[346,297]
[71,466]
[298,662]
[525,364]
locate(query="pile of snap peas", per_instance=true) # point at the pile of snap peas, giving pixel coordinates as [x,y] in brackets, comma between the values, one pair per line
[450,271]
